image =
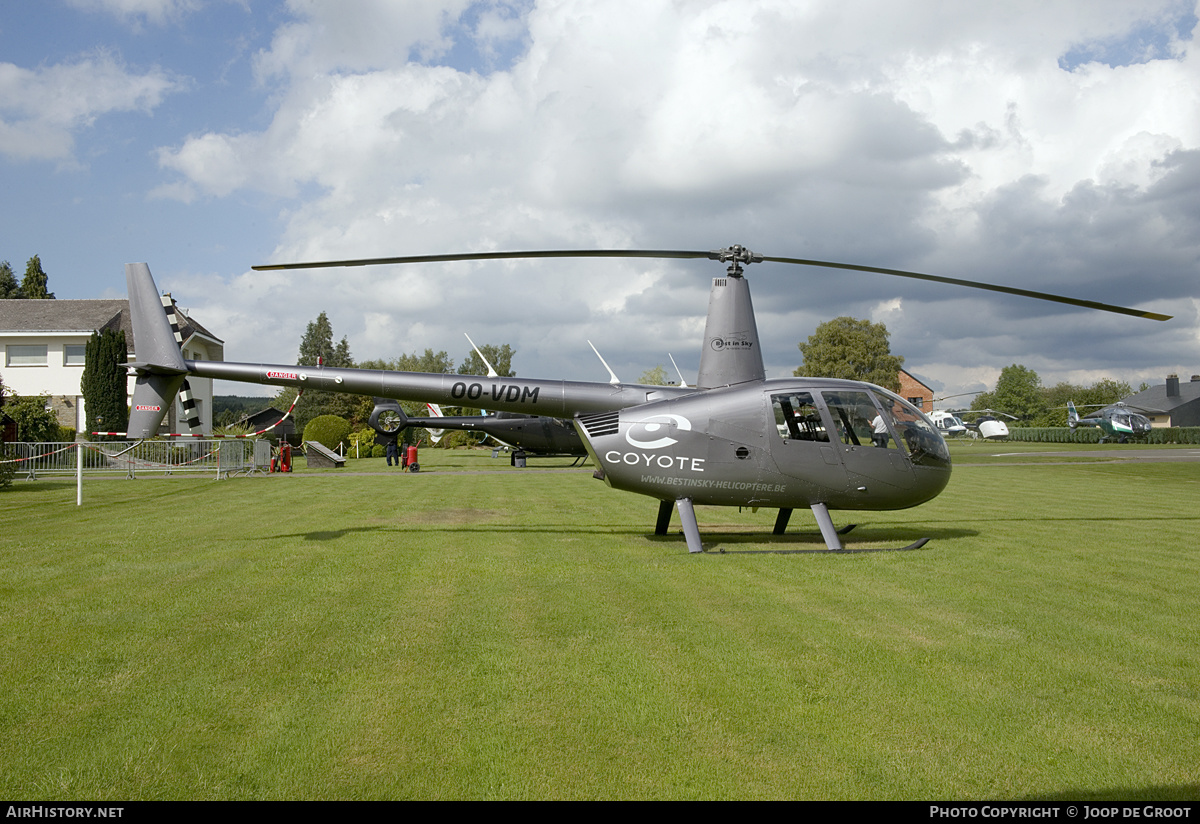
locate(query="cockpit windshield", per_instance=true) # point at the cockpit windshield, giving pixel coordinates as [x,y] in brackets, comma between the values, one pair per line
[925,445]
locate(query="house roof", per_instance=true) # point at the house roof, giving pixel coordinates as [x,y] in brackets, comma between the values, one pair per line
[81,316]
[85,316]
[915,379]
[1156,396]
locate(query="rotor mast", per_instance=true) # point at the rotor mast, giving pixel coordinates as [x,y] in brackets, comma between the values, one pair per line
[731,353]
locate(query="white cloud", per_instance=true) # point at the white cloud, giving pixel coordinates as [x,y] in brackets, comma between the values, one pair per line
[41,110]
[358,35]
[916,135]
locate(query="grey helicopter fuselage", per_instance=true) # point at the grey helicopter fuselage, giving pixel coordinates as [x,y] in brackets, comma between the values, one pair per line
[776,443]
[779,443]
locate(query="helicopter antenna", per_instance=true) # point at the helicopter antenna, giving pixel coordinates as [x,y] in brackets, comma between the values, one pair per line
[492,373]
[612,376]
[678,371]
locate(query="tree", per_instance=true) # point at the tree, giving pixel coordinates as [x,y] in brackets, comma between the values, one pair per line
[317,342]
[654,377]
[8,282]
[1018,392]
[34,284]
[104,382]
[853,349]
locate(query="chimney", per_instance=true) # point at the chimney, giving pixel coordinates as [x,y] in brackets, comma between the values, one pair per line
[1172,386]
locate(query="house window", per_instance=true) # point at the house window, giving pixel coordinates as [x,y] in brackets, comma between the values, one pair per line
[917,402]
[26,355]
[73,354]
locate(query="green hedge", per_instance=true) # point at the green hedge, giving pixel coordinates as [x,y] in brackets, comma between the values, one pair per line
[1090,434]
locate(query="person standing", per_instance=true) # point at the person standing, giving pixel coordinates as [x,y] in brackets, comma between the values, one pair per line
[879,436]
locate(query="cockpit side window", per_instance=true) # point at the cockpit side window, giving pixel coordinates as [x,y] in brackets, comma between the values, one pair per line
[797,418]
[854,415]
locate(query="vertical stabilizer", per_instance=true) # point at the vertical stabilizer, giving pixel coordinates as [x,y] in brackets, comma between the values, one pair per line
[159,365]
[153,341]
[731,351]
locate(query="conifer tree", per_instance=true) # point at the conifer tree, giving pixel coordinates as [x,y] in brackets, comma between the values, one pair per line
[34,284]
[104,382]
[8,282]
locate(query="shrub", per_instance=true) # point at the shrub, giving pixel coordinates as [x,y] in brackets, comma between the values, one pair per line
[35,423]
[328,430]
[378,451]
[1090,434]
[364,440]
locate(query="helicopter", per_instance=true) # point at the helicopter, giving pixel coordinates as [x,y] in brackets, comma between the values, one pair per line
[1117,420]
[988,425]
[526,435]
[734,439]
[947,422]
[985,423]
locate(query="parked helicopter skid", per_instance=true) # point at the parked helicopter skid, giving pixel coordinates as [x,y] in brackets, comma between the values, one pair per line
[735,439]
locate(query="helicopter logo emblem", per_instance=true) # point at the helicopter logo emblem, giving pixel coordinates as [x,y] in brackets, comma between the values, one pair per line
[719,344]
[654,425]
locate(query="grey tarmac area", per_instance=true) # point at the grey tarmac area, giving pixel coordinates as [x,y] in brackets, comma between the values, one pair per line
[1124,455]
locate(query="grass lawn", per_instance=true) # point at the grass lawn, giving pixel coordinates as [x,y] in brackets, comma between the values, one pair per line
[475,631]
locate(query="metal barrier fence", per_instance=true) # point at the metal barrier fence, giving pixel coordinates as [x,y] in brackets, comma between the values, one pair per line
[219,458]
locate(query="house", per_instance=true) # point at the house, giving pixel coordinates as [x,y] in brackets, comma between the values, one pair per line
[915,392]
[44,343]
[1179,402]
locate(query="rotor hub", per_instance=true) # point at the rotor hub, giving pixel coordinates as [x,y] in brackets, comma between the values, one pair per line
[735,256]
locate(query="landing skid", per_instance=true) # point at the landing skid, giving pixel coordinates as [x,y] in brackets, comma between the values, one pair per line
[723,551]
[830,534]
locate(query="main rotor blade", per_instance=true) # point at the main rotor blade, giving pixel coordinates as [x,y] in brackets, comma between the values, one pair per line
[991,287]
[734,253]
[561,253]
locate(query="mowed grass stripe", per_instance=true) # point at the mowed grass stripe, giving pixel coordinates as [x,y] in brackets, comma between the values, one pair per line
[524,635]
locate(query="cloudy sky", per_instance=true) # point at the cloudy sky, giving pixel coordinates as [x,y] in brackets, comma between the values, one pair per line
[1051,146]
